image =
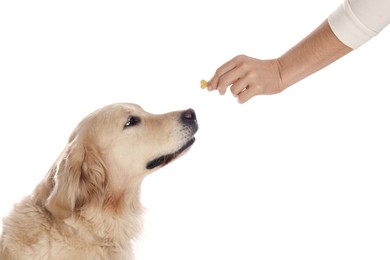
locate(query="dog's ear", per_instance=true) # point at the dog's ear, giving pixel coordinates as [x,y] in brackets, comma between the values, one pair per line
[80,180]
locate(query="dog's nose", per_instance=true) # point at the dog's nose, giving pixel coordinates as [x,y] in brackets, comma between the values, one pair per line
[188,116]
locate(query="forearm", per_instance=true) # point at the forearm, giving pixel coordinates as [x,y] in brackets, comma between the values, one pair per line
[316,51]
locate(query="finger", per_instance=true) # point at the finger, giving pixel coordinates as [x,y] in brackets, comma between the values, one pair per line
[245,95]
[213,83]
[228,79]
[238,86]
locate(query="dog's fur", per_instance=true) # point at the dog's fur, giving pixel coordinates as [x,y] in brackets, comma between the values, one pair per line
[88,205]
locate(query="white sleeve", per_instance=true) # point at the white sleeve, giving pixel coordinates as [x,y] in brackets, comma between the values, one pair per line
[356,21]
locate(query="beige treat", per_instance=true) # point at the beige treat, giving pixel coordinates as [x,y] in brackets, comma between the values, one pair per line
[203,84]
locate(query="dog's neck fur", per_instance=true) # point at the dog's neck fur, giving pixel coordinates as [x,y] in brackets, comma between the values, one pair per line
[104,228]
[111,226]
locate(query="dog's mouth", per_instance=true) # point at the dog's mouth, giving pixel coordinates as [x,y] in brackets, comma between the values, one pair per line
[165,159]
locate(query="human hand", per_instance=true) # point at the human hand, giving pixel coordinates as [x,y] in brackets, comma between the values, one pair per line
[247,77]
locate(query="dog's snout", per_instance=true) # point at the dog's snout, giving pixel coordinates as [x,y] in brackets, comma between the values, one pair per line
[188,116]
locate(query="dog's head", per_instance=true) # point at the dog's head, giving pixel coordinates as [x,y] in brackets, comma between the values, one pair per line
[111,151]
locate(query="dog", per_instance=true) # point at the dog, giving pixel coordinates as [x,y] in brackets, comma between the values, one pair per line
[88,204]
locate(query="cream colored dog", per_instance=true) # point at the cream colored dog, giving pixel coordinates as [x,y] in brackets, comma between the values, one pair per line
[88,206]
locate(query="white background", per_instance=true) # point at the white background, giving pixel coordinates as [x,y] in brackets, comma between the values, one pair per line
[299,175]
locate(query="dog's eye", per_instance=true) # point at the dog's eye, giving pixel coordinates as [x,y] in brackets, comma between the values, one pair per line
[132,121]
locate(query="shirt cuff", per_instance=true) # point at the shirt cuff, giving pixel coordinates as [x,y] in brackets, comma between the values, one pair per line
[348,28]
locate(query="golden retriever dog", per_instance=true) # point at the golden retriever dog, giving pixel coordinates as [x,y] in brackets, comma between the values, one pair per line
[88,205]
